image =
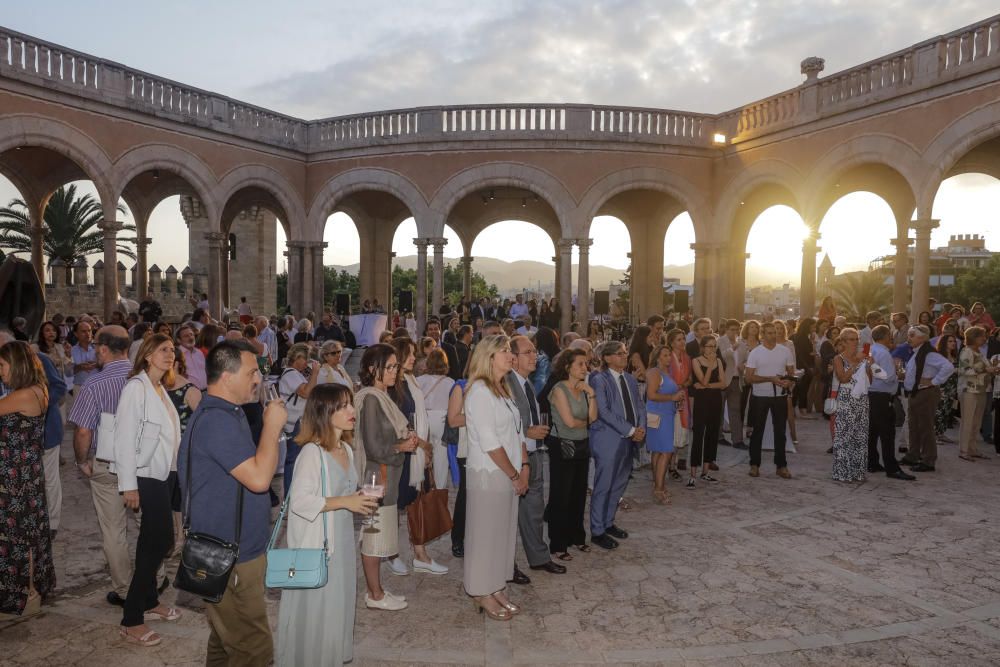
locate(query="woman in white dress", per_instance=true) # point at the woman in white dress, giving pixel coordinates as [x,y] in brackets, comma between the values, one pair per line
[316,626]
[436,386]
[497,471]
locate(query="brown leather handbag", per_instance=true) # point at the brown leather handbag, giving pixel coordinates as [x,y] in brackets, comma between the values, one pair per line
[428,515]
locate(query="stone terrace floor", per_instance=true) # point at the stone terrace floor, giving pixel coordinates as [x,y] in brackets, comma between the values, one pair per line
[746,572]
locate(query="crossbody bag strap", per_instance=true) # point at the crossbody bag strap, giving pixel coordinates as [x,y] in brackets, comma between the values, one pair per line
[284,508]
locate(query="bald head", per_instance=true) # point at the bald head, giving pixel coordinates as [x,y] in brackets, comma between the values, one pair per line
[582,344]
[569,337]
[112,343]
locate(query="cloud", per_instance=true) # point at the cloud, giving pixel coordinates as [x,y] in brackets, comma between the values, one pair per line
[696,55]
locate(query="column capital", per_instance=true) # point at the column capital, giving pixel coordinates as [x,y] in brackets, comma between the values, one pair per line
[584,244]
[706,247]
[110,226]
[467,259]
[924,226]
[565,245]
[421,244]
[216,238]
[439,243]
[901,243]
[144,241]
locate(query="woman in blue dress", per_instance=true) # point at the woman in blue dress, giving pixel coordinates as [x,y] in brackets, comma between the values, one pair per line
[662,393]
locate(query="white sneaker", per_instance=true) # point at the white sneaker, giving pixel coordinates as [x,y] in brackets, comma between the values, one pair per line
[432,567]
[387,603]
[398,567]
[401,598]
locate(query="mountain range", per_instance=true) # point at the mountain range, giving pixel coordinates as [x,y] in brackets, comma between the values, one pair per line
[512,277]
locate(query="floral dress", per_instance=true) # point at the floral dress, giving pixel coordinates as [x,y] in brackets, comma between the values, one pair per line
[24,515]
[850,435]
[944,418]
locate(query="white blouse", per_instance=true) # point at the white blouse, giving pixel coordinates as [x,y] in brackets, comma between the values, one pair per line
[307,498]
[492,423]
[331,375]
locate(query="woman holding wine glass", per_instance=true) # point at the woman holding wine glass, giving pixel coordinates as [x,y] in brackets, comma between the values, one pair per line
[381,441]
[316,625]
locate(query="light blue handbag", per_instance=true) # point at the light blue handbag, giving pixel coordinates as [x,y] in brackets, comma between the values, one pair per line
[297,568]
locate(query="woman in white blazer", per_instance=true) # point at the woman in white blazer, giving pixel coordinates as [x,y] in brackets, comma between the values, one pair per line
[316,626]
[146,439]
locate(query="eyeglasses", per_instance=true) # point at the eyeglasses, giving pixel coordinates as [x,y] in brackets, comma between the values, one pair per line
[529,353]
[333,353]
[392,367]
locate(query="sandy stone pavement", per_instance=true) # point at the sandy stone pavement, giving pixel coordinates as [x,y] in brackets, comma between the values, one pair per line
[745,572]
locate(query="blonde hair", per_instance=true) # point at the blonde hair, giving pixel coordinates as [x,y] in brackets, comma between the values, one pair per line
[481,363]
[295,351]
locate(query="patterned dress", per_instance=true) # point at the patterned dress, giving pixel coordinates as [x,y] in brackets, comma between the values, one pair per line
[24,515]
[850,439]
[944,418]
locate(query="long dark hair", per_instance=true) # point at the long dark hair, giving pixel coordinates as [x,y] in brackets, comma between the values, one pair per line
[43,346]
[805,328]
[942,346]
[546,341]
[639,345]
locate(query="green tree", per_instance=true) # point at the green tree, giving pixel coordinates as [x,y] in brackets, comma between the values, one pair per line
[859,293]
[406,279]
[979,284]
[69,225]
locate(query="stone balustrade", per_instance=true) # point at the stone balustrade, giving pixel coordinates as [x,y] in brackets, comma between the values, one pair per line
[934,61]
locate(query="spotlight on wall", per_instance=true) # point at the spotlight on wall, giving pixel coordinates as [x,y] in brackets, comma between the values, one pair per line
[492,195]
[524,203]
[156,174]
[485,200]
[719,139]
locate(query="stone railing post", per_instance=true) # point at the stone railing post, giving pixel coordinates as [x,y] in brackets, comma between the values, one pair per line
[928,63]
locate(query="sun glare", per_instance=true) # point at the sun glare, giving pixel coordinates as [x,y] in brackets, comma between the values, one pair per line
[775,244]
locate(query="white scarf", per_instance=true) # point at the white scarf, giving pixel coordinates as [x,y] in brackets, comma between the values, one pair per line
[419,460]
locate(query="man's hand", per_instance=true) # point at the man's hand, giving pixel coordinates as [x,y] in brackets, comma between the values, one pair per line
[275,414]
[131,499]
[87,468]
[537,432]
[639,434]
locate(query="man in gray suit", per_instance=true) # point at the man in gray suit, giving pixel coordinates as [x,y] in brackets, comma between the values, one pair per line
[532,504]
[621,420]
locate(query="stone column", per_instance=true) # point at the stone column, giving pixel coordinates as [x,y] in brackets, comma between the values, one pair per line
[214,241]
[110,229]
[900,275]
[37,233]
[467,277]
[142,268]
[306,265]
[294,289]
[388,285]
[319,278]
[921,265]
[421,295]
[224,270]
[807,284]
[565,279]
[698,303]
[583,285]
[437,294]
[556,262]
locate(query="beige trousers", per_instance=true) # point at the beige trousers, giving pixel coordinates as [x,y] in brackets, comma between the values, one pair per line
[53,486]
[112,517]
[241,634]
[973,406]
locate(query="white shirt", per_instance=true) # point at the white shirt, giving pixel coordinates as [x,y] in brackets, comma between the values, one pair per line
[727,352]
[308,500]
[769,363]
[526,331]
[865,336]
[330,375]
[492,422]
[244,309]
[288,385]
[140,402]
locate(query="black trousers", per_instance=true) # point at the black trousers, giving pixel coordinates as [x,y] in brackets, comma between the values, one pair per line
[458,516]
[156,539]
[707,417]
[567,500]
[882,427]
[802,390]
[760,407]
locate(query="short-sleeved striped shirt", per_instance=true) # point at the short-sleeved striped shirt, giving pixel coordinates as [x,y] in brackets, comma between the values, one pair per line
[100,394]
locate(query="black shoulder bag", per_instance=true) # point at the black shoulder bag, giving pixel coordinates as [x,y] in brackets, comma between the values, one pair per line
[206,561]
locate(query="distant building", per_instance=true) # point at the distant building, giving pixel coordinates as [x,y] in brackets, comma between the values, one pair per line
[824,278]
[964,252]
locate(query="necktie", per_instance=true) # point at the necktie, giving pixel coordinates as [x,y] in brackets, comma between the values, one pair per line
[629,410]
[530,393]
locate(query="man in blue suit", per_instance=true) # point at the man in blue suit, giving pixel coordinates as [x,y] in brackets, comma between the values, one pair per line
[621,420]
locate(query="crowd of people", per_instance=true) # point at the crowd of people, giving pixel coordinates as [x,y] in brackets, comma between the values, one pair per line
[190,424]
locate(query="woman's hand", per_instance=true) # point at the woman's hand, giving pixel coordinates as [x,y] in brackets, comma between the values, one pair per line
[588,390]
[360,503]
[131,499]
[521,483]
[409,444]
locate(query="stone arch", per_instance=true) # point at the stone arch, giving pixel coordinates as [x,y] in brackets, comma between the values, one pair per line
[771,173]
[899,157]
[644,178]
[30,130]
[169,158]
[270,181]
[950,145]
[330,197]
[501,174]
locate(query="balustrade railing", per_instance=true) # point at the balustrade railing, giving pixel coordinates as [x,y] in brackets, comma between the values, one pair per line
[940,59]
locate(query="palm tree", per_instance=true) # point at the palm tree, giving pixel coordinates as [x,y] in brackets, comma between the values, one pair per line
[70,228]
[860,293]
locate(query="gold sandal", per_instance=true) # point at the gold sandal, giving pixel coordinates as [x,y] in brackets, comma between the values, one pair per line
[501,615]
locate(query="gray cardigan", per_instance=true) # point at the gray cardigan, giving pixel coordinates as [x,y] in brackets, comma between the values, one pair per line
[380,447]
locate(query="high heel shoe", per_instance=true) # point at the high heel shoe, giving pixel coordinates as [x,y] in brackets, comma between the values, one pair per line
[501,615]
[508,605]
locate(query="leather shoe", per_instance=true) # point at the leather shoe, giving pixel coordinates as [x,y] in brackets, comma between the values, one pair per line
[519,578]
[604,541]
[922,467]
[876,468]
[115,599]
[755,471]
[550,567]
[899,474]
[784,473]
[458,550]
[615,531]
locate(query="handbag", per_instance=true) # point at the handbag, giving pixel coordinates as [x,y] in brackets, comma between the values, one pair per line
[830,404]
[428,516]
[206,561]
[146,441]
[298,568]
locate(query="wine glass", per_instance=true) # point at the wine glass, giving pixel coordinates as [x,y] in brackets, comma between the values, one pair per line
[374,488]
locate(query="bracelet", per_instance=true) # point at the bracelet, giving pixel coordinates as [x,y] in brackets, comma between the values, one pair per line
[513,477]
